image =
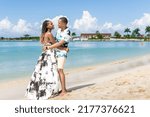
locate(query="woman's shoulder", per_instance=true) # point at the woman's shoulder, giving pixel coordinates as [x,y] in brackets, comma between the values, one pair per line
[48,33]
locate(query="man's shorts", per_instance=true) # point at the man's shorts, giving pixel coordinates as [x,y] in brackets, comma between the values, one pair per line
[61,62]
[61,56]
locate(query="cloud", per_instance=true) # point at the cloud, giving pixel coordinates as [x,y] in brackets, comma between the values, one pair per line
[5,24]
[87,23]
[55,22]
[109,27]
[22,27]
[141,22]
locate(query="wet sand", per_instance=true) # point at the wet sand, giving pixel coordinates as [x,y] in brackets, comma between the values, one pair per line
[123,79]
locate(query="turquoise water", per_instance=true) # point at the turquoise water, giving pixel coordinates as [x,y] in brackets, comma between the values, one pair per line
[17,59]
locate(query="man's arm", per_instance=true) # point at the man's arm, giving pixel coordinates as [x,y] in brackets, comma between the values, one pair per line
[53,41]
[56,45]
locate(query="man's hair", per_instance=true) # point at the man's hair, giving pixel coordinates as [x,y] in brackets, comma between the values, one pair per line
[64,19]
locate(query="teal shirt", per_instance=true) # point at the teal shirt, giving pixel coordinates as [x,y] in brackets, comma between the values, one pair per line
[63,35]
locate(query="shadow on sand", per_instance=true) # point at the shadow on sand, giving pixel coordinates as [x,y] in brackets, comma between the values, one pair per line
[79,87]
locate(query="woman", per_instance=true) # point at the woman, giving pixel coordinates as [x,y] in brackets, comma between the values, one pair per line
[44,81]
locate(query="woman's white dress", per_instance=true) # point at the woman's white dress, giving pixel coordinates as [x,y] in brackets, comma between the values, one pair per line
[44,81]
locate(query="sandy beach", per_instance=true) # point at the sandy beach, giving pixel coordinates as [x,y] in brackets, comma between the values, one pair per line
[123,79]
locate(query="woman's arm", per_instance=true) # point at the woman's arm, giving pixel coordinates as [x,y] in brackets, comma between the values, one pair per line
[42,39]
[52,40]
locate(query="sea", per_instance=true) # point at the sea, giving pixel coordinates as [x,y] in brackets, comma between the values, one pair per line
[18,58]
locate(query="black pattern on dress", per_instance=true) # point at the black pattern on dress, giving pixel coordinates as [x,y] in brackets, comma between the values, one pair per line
[44,79]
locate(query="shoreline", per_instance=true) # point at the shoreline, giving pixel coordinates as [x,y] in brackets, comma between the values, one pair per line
[79,79]
[90,40]
[68,69]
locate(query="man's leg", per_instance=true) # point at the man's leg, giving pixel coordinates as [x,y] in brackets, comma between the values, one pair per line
[61,62]
[62,80]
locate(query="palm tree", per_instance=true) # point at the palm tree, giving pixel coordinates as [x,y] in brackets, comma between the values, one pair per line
[147,30]
[1,38]
[117,34]
[127,30]
[135,32]
[73,34]
[98,35]
[97,32]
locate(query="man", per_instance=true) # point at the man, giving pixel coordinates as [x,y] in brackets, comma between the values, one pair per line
[62,38]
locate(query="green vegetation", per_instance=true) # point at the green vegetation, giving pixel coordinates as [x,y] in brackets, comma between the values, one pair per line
[128,34]
[73,34]
[147,30]
[127,31]
[25,37]
[134,34]
[117,35]
[98,36]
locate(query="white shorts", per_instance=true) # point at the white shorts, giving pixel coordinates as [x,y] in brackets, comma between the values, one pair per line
[61,62]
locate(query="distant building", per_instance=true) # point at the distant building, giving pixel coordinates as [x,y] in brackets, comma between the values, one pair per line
[141,35]
[86,36]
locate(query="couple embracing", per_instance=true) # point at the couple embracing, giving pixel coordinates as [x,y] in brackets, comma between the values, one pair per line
[48,71]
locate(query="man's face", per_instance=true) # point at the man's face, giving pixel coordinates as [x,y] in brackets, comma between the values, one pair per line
[60,24]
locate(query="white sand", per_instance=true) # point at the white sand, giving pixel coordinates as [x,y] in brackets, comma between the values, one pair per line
[124,79]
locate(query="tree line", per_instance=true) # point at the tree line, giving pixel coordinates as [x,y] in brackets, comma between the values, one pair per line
[134,34]
[24,37]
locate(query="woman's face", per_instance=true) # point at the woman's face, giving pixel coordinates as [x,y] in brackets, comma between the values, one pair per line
[50,25]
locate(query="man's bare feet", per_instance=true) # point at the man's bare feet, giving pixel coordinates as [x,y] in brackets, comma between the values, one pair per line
[63,93]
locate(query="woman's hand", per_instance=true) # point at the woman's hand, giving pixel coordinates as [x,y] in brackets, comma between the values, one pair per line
[44,48]
[67,50]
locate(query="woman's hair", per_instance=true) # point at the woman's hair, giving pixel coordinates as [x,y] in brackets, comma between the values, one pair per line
[44,30]
[44,26]
[64,19]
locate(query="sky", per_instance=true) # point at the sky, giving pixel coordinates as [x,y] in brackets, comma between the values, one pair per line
[19,17]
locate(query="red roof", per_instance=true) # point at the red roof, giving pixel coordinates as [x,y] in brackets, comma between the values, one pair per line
[88,34]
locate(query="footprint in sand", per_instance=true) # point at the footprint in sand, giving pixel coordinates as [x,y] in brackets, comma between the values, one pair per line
[137,90]
[126,82]
[66,73]
[89,69]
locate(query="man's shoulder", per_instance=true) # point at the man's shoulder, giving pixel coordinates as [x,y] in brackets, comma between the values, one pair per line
[67,30]
[59,30]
